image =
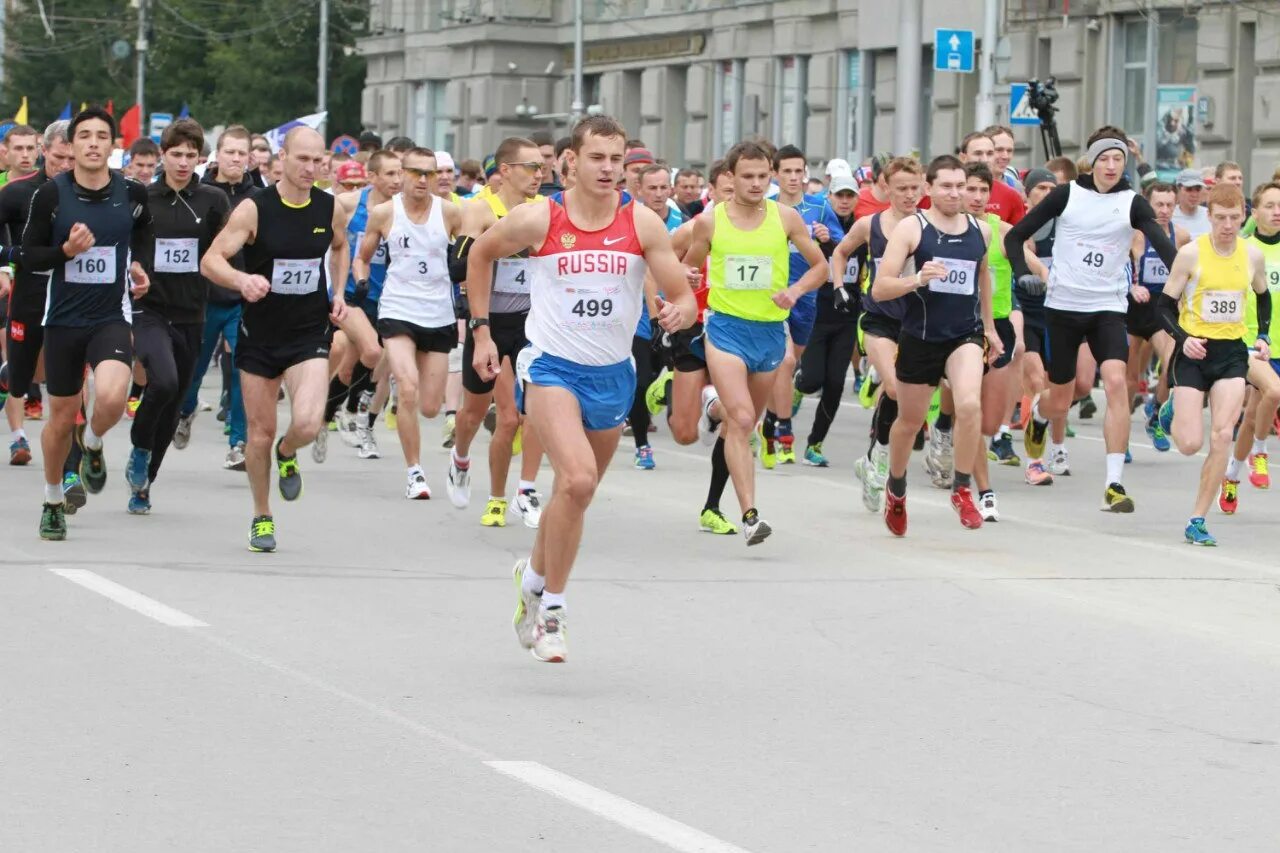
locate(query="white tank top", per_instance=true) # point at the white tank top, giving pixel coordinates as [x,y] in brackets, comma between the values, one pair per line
[1091,252]
[418,289]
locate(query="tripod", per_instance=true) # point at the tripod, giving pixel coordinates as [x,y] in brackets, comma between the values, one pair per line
[1049,133]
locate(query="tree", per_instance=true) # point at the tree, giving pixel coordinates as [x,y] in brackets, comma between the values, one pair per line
[251,62]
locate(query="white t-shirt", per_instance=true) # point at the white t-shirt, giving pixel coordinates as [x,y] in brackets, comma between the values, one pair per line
[1195,224]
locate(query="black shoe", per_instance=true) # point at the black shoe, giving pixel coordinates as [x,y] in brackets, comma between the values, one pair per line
[93,468]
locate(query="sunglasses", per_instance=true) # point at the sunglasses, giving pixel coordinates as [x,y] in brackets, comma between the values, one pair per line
[532,166]
[421,173]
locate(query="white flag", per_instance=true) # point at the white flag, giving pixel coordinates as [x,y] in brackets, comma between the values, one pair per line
[276,135]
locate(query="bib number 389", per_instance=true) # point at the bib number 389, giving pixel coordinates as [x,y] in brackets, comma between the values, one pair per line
[1222,306]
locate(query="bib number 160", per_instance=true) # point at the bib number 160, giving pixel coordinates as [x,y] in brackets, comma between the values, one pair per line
[592,308]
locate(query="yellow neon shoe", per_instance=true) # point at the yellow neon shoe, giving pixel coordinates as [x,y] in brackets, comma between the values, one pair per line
[517,443]
[768,458]
[1115,499]
[656,395]
[495,513]
[713,521]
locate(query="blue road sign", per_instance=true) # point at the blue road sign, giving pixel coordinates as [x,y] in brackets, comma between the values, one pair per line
[953,51]
[1020,111]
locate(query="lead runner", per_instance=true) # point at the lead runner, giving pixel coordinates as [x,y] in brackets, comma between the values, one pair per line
[588,256]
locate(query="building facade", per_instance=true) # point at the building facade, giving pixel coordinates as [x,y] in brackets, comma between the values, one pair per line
[691,77]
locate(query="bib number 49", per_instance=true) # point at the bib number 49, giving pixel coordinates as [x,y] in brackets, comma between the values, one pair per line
[592,308]
[1093,259]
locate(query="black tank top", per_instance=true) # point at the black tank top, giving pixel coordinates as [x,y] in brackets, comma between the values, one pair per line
[92,287]
[947,308]
[895,309]
[289,252]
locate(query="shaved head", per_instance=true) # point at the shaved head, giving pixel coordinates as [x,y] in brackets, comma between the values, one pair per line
[302,137]
[303,157]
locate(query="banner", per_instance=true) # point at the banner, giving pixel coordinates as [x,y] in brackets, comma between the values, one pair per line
[276,135]
[1175,130]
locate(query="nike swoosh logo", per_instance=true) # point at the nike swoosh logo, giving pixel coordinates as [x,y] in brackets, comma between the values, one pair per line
[117,204]
[610,242]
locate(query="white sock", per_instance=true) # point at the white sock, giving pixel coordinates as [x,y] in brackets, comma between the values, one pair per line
[53,493]
[19,433]
[460,461]
[1004,430]
[1035,412]
[496,498]
[1054,447]
[527,486]
[1259,446]
[1115,467]
[530,580]
[552,599]
[415,470]
[91,441]
[1233,468]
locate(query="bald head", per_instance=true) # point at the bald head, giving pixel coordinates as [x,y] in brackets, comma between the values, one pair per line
[303,158]
[303,137]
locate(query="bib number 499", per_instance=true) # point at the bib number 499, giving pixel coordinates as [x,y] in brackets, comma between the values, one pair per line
[592,308]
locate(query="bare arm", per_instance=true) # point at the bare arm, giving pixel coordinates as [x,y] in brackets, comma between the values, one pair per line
[677,309]
[523,228]
[339,260]
[700,239]
[798,233]
[890,283]
[241,229]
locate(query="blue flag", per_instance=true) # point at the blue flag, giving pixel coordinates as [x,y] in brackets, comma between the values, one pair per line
[185,113]
[65,115]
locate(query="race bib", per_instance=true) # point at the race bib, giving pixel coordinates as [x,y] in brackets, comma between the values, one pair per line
[380,256]
[1099,258]
[295,277]
[1273,276]
[511,276]
[748,272]
[959,279]
[851,271]
[1154,271]
[92,266]
[1222,306]
[587,308]
[177,254]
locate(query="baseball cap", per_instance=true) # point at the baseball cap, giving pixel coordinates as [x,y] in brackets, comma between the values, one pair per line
[638,155]
[843,184]
[370,139]
[1190,178]
[490,166]
[1038,176]
[864,175]
[444,160]
[351,171]
[838,167]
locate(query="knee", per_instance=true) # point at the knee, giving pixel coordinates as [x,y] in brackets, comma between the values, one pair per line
[967,407]
[1190,445]
[577,487]
[306,428]
[1222,437]
[508,420]
[1112,383]
[740,418]
[889,387]
[259,434]
[788,364]
[371,355]
[429,408]
[162,387]
[407,389]
[684,431]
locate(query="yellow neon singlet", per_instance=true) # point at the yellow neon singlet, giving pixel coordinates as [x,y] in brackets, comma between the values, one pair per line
[1213,305]
[747,267]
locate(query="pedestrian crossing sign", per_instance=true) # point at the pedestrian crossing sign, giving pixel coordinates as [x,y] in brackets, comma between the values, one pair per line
[1020,111]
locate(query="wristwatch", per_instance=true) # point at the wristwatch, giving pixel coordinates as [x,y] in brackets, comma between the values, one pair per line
[476,322]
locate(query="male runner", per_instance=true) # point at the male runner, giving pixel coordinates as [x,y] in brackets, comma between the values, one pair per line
[1005,202]
[141,161]
[23,146]
[84,226]
[1003,143]
[285,327]
[1087,293]
[416,317]
[1190,215]
[168,320]
[946,330]
[747,244]
[1203,309]
[589,256]
[520,164]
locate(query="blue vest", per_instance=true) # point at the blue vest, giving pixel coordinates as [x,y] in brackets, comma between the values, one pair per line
[894,309]
[355,234]
[1152,273]
[93,287]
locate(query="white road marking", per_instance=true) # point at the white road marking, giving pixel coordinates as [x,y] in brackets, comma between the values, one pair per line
[136,601]
[633,816]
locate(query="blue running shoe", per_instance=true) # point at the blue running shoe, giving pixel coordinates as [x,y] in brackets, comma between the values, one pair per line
[135,472]
[1128,457]
[140,502]
[1165,418]
[1197,534]
[1159,438]
[644,459]
[1149,407]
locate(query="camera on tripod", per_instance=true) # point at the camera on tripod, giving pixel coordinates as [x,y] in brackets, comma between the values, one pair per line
[1042,97]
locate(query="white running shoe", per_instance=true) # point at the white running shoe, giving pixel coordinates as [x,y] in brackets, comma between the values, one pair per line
[757,532]
[368,444]
[418,490]
[320,447]
[458,484]
[527,606]
[708,430]
[182,435]
[988,507]
[550,636]
[529,505]
[346,427]
[872,492]
[1059,465]
[938,458]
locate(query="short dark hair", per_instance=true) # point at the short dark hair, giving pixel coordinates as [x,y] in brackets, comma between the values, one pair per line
[1220,170]
[510,147]
[786,152]
[999,130]
[89,114]
[1159,187]
[236,131]
[542,137]
[688,173]
[418,151]
[184,131]
[1065,165]
[938,164]
[1262,188]
[470,169]
[978,170]
[909,165]
[143,147]
[745,151]
[606,126]
[970,137]
[399,144]
[717,169]
[651,169]
[562,145]
[1108,131]
[635,143]
[377,158]
[21,130]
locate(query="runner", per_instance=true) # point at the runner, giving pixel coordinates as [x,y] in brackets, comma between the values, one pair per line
[520,164]
[141,161]
[1191,215]
[881,322]
[285,328]
[169,319]
[948,317]
[589,253]
[416,317]
[1087,292]
[746,243]
[1203,309]
[84,226]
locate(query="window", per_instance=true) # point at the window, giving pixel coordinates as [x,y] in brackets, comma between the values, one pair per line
[789,101]
[1176,37]
[1135,85]
[728,98]
[428,118]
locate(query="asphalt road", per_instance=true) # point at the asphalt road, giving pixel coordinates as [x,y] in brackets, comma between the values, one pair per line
[1065,679]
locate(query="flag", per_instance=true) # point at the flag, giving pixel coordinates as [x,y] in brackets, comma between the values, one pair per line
[84,105]
[20,117]
[185,112]
[111,108]
[276,135]
[65,115]
[130,125]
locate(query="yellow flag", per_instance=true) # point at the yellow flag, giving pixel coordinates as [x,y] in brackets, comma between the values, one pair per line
[20,117]
[84,105]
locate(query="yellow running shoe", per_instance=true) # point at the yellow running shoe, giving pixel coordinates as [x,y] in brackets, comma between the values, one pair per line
[1115,499]
[495,513]
[656,394]
[517,443]
[768,458]
[713,521]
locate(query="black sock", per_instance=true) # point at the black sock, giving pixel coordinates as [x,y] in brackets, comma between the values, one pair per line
[135,390]
[361,379]
[782,426]
[750,516]
[898,486]
[719,476]
[943,422]
[887,413]
[959,481]
[337,390]
[770,422]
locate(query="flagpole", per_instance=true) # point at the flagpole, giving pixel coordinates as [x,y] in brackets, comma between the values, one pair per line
[141,50]
[322,71]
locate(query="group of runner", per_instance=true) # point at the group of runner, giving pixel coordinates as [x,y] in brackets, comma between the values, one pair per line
[575,293]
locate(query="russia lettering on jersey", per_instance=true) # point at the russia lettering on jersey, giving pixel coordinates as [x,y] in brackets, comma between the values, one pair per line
[587,289]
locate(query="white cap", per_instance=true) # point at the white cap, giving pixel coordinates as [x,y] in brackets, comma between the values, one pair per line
[838,167]
[444,160]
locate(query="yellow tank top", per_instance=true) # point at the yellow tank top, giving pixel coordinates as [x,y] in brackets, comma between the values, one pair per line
[747,267]
[1215,301]
[496,205]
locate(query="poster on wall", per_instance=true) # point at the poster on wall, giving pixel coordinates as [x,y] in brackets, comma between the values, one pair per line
[1175,130]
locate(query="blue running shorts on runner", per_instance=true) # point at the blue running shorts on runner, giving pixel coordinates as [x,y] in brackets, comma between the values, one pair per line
[760,345]
[605,394]
[800,320]
[1275,365]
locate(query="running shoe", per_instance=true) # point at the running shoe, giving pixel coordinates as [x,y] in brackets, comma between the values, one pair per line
[658,393]
[1229,497]
[1115,499]
[495,513]
[449,430]
[139,502]
[73,493]
[755,528]
[962,503]
[1088,408]
[796,399]
[938,458]
[131,407]
[1034,438]
[1165,416]
[1259,476]
[33,410]
[491,418]
[527,606]
[391,418]
[235,457]
[262,534]
[644,458]
[1128,456]
[1002,450]
[290,476]
[1037,475]
[53,522]
[458,484]
[93,467]
[713,521]
[988,506]
[1070,430]
[135,471]
[182,435]
[813,456]
[320,447]
[708,427]
[418,490]
[347,428]
[529,505]
[1159,438]
[786,449]
[1197,534]
[864,468]
[895,513]
[550,635]
[1149,407]
[768,452]
[19,451]
[867,391]
[368,444]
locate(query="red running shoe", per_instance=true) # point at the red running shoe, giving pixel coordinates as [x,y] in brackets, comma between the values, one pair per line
[895,513]
[962,501]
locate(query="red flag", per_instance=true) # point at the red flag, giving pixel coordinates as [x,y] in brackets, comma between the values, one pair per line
[111,108]
[130,128]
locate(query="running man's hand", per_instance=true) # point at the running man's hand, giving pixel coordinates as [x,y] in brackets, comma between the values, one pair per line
[694,276]
[79,240]
[1194,348]
[1032,285]
[141,283]
[6,283]
[931,270]
[485,360]
[786,298]
[338,308]
[1261,350]
[253,287]
[995,346]
[821,233]
[670,317]
[1140,294]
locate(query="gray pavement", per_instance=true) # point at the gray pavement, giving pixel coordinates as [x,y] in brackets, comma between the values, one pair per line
[1063,680]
